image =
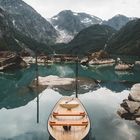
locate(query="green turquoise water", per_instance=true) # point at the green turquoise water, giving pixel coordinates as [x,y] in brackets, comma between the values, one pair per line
[18,103]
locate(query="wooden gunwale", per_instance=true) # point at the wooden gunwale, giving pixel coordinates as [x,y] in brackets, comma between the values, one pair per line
[77,118]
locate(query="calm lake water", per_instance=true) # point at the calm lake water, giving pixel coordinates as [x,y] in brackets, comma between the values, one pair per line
[18,103]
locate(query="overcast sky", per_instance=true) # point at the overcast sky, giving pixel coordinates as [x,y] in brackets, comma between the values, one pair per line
[104,9]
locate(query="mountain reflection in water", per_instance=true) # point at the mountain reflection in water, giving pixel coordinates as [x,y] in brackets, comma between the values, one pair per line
[18,104]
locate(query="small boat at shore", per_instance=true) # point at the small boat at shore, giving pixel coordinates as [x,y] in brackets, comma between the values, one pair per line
[68,120]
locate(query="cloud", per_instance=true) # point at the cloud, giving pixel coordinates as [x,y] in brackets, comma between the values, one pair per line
[104,9]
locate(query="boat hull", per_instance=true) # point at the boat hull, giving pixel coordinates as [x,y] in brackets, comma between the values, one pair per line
[70,121]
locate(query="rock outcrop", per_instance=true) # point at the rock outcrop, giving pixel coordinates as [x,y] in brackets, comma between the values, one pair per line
[137,65]
[98,58]
[99,55]
[10,60]
[138,121]
[130,108]
[124,67]
[64,85]
[84,61]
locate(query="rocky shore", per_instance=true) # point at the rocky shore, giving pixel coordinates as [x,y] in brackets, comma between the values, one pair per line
[11,60]
[97,58]
[130,108]
[124,67]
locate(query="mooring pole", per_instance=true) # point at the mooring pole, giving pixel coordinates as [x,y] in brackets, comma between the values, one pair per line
[76,77]
[37,88]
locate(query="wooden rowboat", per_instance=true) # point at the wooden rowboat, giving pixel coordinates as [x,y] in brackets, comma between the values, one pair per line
[68,120]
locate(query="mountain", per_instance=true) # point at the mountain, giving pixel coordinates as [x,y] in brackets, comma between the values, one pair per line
[13,40]
[93,38]
[117,22]
[27,21]
[127,40]
[6,38]
[70,23]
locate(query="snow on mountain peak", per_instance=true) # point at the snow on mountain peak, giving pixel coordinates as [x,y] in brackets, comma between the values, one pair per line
[76,14]
[55,18]
[86,20]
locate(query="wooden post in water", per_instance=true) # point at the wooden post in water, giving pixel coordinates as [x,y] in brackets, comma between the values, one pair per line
[37,88]
[76,78]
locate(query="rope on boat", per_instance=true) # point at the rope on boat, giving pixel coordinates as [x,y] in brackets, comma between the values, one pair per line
[69,100]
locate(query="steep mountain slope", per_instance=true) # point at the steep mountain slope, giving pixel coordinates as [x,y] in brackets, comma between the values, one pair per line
[127,40]
[90,39]
[6,38]
[26,20]
[117,21]
[13,40]
[70,23]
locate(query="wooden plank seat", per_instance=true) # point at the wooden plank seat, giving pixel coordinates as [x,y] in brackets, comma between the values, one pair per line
[68,123]
[69,114]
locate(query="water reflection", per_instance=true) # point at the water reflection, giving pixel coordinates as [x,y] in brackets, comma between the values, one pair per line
[21,123]
[14,90]
[89,136]
[102,105]
[18,121]
[116,86]
[11,75]
[108,73]
[17,98]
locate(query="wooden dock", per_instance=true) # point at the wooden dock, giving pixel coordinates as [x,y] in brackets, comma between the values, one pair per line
[68,120]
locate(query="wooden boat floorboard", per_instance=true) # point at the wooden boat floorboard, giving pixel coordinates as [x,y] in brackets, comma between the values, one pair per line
[80,124]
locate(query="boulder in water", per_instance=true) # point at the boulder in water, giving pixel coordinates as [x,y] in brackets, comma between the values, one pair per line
[123,67]
[138,121]
[99,58]
[84,61]
[66,85]
[10,60]
[124,114]
[130,108]
[135,93]
[137,65]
